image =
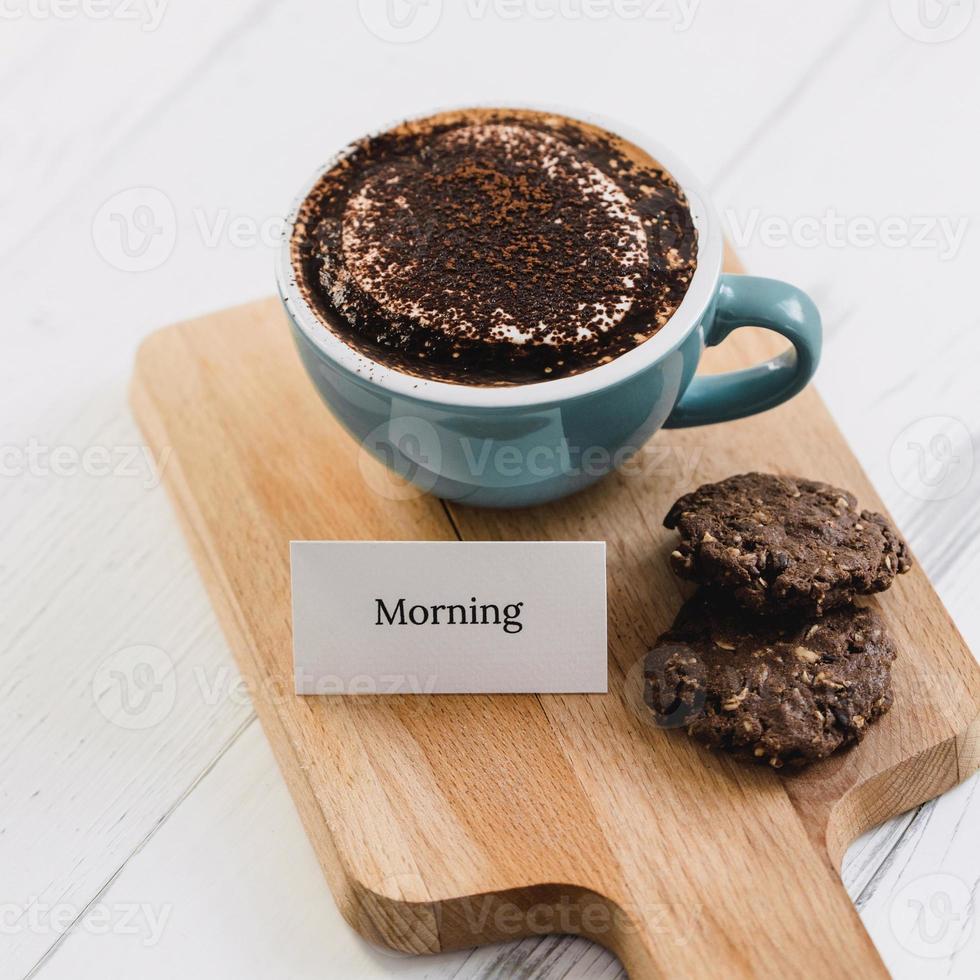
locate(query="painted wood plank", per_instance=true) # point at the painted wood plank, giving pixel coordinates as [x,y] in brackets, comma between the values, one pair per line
[94,584]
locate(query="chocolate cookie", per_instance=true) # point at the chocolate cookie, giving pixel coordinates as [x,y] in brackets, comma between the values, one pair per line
[777,690]
[778,542]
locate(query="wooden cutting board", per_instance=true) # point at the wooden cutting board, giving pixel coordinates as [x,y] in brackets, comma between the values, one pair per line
[448,821]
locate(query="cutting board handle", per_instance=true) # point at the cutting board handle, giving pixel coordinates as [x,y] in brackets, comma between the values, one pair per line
[660,935]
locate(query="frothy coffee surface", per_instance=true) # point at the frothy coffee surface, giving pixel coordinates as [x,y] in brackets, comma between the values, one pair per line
[494,247]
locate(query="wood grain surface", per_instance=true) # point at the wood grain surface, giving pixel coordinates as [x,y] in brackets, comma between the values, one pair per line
[445,822]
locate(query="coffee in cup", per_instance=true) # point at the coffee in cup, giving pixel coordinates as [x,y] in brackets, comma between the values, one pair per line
[494,247]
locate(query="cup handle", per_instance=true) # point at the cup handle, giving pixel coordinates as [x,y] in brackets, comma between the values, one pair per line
[753,301]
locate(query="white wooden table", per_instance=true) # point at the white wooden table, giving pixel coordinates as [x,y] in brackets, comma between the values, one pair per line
[144,828]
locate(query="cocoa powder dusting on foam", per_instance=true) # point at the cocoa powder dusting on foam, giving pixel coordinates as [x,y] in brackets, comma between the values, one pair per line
[495,248]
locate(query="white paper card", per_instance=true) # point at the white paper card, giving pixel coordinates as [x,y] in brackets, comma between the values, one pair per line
[433,617]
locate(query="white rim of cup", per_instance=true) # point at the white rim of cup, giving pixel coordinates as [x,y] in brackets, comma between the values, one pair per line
[410,386]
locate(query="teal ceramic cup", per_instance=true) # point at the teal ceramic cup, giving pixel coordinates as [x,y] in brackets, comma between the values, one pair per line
[528,444]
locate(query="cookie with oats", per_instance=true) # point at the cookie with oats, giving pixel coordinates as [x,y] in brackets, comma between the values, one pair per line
[784,691]
[776,543]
